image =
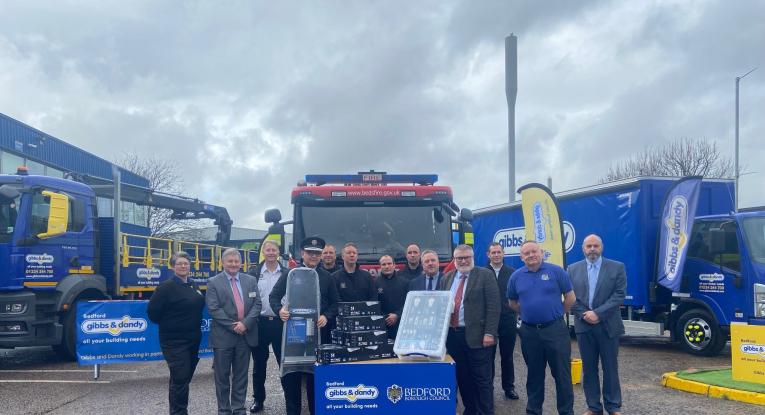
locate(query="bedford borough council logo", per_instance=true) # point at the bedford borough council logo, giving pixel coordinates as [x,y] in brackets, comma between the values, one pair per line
[394,393]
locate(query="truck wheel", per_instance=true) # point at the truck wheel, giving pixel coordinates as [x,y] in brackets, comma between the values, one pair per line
[699,334]
[67,349]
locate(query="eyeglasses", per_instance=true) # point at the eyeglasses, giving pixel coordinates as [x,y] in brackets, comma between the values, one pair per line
[463,258]
[182,264]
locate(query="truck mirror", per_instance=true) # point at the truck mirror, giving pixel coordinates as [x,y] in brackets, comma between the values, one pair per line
[716,241]
[8,192]
[58,214]
[273,216]
[466,215]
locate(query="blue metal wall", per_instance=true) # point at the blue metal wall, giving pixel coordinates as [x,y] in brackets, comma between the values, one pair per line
[19,138]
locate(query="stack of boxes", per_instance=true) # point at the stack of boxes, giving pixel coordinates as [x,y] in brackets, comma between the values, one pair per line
[360,335]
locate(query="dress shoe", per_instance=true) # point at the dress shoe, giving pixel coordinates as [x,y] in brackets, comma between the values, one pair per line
[510,394]
[589,412]
[256,407]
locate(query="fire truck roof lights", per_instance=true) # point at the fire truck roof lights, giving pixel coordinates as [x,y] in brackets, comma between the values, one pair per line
[371,177]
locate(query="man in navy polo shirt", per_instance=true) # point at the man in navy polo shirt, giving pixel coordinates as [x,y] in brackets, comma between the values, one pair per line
[534,291]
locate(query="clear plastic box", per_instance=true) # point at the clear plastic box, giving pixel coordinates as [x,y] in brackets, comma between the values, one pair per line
[424,325]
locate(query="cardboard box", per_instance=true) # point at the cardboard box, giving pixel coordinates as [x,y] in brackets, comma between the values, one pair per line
[359,338]
[359,308]
[332,353]
[360,323]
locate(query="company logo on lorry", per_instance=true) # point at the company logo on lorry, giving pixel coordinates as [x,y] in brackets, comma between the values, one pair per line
[716,277]
[510,240]
[39,259]
[148,273]
[539,223]
[115,326]
[675,225]
[351,393]
[754,349]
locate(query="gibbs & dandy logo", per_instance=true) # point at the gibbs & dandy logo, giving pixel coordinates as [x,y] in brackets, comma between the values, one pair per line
[39,259]
[148,273]
[510,240]
[754,349]
[675,224]
[351,393]
[539,223]
[115,326]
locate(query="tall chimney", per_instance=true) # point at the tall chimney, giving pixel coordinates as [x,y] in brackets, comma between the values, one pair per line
[511,90]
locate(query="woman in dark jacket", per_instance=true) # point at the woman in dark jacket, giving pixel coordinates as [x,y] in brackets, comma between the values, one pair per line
[176,307]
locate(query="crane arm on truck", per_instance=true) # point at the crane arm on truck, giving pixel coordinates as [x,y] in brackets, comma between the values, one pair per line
[182,207]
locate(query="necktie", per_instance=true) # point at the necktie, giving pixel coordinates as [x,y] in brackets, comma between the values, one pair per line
[430,284]
[237,299]
[592,276]
[455,320]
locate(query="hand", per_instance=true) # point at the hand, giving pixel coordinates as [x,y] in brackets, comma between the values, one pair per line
[322,321]
[488,340]
[391,319]
[590,317]
[284,314]
[240,328]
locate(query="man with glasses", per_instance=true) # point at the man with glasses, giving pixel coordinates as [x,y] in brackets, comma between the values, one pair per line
[473,330]
[310,251]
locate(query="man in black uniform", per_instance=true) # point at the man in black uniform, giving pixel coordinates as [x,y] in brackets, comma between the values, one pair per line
[268,273]
[391,292]
[291,383]
[353,283]
[413,268]
[508,320]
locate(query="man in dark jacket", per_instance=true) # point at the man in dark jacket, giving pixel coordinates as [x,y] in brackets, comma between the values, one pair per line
[353,283]
[391,292]
[412,269]
[291,383]
[508,319]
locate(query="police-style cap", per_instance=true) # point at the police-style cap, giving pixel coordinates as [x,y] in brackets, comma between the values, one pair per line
[312,243]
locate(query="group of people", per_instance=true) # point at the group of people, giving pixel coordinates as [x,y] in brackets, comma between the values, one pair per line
[248,311]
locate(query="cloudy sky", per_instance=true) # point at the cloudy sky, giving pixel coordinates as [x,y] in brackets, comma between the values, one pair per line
[249,96]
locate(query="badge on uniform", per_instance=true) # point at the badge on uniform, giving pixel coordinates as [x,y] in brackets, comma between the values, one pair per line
[380,290]
[342,285]
[544,277]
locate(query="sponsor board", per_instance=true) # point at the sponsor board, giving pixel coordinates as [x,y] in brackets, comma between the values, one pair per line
[747,347]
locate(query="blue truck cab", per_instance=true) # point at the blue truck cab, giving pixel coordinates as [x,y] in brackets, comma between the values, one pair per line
[723,278]
[55,250]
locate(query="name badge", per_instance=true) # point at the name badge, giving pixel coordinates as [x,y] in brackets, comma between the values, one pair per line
[252,294]
[545,277]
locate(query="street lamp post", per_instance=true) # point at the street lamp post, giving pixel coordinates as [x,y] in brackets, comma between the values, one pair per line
[738,173]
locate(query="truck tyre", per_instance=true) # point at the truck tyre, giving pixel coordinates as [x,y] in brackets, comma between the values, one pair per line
[699,333]
[67,349]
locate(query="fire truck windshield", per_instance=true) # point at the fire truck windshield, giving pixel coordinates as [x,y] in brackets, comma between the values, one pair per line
[378,230]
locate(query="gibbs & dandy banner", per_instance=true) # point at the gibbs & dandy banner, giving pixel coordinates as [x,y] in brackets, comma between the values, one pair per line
[675,229]
[120,332]
[542,222]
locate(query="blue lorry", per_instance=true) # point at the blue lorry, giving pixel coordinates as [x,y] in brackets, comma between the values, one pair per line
[55,250]
[723,280]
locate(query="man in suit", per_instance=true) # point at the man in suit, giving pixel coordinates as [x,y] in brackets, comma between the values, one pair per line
[472,330]
[508,320]
[600,285]
[431,274]
[267,273]
[534,292]
[234,305]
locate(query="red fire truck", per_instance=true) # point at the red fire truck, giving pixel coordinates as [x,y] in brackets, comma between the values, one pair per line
[381,213]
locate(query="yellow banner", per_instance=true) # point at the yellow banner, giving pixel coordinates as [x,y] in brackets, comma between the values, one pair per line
[542,222]
[747,349]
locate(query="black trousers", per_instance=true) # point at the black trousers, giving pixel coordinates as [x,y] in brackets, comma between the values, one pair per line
[595,346]
[292,385]
[508,333]
[475,373]
[269,333]
[182,357]
[551,346]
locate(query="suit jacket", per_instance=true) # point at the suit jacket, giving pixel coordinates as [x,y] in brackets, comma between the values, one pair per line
[609,295]
[220,303]
[507,315]
[480,304]
[420,283]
